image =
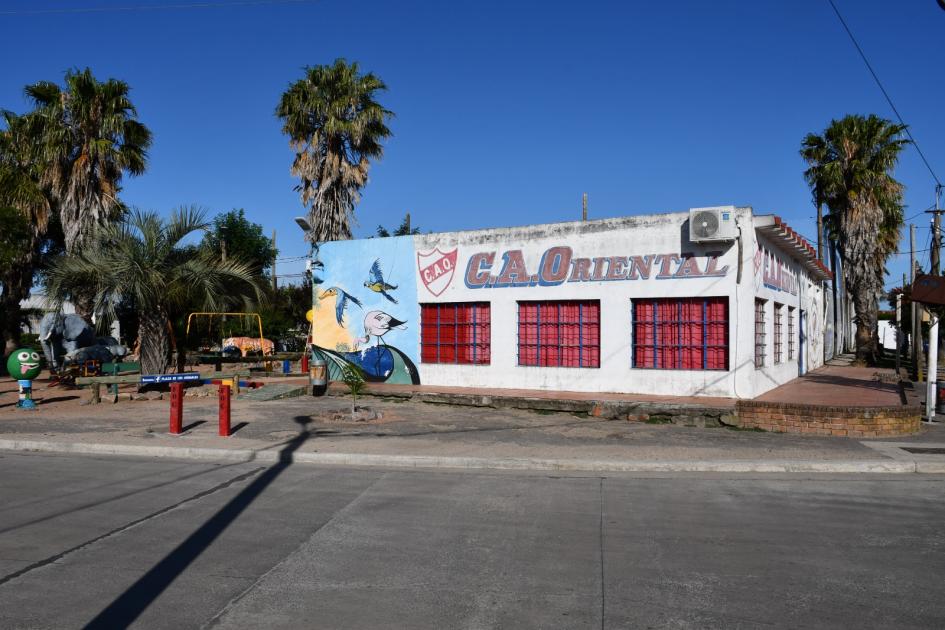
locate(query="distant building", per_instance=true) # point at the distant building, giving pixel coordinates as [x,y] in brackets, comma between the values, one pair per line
[714,302]
[38,304]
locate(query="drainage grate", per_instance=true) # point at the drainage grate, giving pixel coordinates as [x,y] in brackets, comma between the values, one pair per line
[915,450]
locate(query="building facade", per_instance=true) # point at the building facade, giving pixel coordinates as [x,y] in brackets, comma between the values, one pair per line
[629,305]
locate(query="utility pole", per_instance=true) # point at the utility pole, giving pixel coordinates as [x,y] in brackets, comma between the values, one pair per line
[916,313]
[584,207]
[275,284]
[408,223]
[820,231]
[931,381]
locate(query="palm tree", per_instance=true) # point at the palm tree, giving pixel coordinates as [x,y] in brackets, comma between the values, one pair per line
[143,260]
[89,137]
[335,126]
[850,171]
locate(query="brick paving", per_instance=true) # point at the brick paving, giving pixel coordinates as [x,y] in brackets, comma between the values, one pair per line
[845,386]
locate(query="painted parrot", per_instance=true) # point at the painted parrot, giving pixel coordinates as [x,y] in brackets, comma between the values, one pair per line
[340,303]
[376,282]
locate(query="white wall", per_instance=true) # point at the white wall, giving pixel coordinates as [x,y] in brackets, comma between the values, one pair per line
[629,236]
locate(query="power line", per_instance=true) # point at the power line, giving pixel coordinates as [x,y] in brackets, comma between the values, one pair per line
[157,7]
[883,90]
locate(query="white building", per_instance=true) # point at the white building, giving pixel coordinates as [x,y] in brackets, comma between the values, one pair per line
[634,304]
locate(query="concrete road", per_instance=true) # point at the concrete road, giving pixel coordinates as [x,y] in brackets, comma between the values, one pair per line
[111,542]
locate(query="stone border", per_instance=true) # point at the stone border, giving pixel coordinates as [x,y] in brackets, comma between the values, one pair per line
[828,420]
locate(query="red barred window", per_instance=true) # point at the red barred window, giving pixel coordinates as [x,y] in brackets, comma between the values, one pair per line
[760,343]
[778,308]
[456,332]
[559,333]
[790,333]
[680,333]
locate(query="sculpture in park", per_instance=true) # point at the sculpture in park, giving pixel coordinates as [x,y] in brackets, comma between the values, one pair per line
[70,339]
[24,365]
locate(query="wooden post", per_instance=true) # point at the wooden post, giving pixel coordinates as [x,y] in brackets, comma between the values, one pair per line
[96,393]
[274,281]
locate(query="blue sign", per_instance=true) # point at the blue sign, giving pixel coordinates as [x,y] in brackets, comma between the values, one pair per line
[186,377]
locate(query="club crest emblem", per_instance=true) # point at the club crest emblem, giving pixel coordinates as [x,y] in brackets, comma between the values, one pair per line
[436,269]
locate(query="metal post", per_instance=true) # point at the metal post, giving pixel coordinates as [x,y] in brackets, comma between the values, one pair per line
[224,399]
[916,324]
[930,390]
[898,331]
[584,207]
[177,408]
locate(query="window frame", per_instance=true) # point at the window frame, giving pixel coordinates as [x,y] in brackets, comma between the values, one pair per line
[790,333]
[477,325]
[778,334]
[679,348]
[588,335]
[760,333]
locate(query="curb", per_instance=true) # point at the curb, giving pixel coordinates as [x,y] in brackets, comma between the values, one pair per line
[484,463]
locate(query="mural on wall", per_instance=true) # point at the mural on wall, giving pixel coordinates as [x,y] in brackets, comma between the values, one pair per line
[559,265]
[361,322]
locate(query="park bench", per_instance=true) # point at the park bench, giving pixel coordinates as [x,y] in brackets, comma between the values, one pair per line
[96,382]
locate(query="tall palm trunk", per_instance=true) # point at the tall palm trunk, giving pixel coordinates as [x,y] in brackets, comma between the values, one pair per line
[861,251]
[155,342]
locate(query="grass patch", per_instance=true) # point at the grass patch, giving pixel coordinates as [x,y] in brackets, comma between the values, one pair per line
[746,429]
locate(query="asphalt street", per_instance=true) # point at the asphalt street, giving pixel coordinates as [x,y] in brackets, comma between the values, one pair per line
[148,543]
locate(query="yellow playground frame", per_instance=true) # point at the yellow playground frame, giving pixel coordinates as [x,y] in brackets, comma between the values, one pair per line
[256,315]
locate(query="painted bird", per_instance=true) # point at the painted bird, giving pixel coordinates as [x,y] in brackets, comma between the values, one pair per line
[340,303]
[377,284]
[377,324]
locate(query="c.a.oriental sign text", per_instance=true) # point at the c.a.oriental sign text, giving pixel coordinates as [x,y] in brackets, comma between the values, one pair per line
[558,265]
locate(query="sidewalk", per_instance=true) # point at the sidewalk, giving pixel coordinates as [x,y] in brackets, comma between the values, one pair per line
[415,434]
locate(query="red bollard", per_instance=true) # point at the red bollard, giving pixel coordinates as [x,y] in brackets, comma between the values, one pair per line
[224,398]
[304,363]
[177,408]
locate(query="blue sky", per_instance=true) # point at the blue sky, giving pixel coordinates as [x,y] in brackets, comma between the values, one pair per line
[506,111]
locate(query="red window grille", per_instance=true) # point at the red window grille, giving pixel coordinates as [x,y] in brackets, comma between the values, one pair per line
[456,332]
[778,309]
[680,333]
[559,333]
[790,333]
[759,333]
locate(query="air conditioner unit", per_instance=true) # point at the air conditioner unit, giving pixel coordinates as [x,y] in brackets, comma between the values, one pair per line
[707,225]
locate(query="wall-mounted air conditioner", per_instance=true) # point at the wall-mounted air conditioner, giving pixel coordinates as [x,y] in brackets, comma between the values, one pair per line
[707,225]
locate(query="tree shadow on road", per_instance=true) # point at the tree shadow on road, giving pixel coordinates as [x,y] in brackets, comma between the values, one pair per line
[130,604]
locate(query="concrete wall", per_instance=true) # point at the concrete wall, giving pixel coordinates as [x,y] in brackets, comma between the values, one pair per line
[610,260]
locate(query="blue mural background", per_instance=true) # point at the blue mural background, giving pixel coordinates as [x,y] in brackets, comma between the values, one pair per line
[365,312]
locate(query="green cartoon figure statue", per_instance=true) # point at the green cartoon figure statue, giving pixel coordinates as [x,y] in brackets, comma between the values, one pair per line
[24,365]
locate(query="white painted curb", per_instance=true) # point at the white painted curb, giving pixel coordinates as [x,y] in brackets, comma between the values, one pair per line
[484,463]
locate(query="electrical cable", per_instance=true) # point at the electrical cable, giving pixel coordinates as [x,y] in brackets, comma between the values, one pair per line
[883,90]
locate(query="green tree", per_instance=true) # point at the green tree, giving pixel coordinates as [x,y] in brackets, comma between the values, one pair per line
[335,126]
[236,237]
[850,171]
[404,229]
[88,138]
[142,258]
[29,223]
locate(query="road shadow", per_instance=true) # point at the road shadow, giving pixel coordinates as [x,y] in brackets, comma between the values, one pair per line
[129,605]
[192,425]
[240,425]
